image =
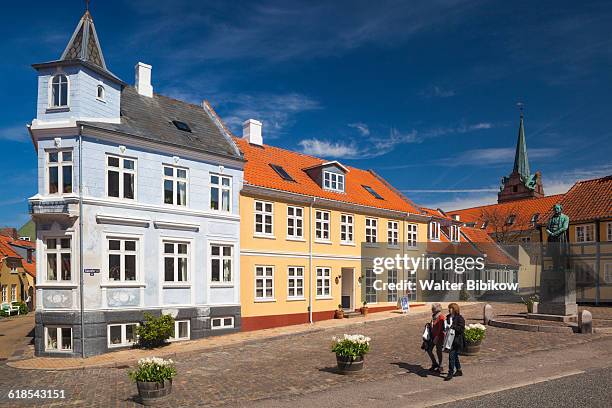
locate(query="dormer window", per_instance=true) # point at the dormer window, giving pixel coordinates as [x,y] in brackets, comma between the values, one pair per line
[454,233]
[59,91]
[101,93]
[434,230]
[534,218]
[333,181]
[511,219]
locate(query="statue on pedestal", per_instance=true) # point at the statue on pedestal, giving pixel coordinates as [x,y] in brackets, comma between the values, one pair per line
[556,229]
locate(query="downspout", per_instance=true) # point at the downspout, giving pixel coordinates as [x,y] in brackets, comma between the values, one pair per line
[310,260]
[597,260]
[81,279]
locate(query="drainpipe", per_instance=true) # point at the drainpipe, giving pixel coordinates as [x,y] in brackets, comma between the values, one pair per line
[310,260]
[81,279]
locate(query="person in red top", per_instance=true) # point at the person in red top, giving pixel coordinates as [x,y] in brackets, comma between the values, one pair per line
[437,337]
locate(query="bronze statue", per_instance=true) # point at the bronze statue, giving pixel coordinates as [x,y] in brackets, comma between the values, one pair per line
[556,229]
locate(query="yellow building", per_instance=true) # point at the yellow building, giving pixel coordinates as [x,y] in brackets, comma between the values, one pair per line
[17,271]
[305,226]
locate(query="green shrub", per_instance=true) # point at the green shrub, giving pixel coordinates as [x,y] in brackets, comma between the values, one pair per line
[474,332]
[464,296]
[153,369]
[154,331]
[23,308]
[351,345]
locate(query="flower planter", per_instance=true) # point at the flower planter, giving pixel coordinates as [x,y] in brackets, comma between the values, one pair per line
[151,393]
[471,348]
[339,314]
[348,364]
[364,311]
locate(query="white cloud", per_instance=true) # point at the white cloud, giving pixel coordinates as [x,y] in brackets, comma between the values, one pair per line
[562,182]
[17,133]
[361,127]
[324,148]
[437,92]
[494,155]
[473,200]
[451,190]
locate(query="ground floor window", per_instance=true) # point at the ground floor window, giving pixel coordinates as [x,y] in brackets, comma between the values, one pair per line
[370,292]
[295,282]
[181,330]
[123,334]
[323,282]
[264,282]
[58,338]
[217,323]
[4,294]
[392,278]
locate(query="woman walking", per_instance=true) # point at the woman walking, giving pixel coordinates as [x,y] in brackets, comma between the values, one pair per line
[456,322]
[437,337]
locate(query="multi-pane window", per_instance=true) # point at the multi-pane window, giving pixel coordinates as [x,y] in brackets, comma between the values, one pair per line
[608,274]
[123,334]
[220,192]
[295,222]
[585,233]
[333,181]
[371,230]
[175,185]
[181,330]
[13,293]
[217,323]
[295,282]
[59,259]
[58,338]
[122,260]
[176,261]
[454,233]
[59,172]
[4,294]
[392,278]
[323,282]
[263,218]
[120,177]
[221,263]
[59,91]
[370,291]
[264,282]
[346,229]
[411,235]
[609,232]
[434,230]
[322,225]
[393,233]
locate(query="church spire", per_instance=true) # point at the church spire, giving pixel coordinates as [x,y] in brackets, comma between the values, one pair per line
[521,162]
[84,44]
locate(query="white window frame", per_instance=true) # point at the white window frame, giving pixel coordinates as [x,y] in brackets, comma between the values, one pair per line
[322,225]
[608,273]
[333,181]
[175,180]
[394,273]
[60,164]
[412,235]
[371,231]
[267,282]
[323,276]
[124,341]
[50,103]
[103,97]
[58,252]
[347,228]
[60,340]
[176,330]
[121,170]
[13,292]
[434,231]
[221,258]
[393,233]
[175,255]
[295,222]
[609,232]
[221,187]
[223,325]
[585,228]
[4,294]
[138,253]
[370,276]
[293,277]
[264,214]
[455,233]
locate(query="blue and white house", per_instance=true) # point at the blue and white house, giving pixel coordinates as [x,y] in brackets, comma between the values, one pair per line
[136,211]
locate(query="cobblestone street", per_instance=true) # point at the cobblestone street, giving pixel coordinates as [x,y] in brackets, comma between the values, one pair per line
[290,365]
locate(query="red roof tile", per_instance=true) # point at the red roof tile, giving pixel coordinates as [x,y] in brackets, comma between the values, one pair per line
[588,200]
[258,172]
[6,250]
[486,245]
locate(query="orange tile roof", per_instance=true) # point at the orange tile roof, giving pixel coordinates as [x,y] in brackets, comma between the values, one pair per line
[523,209]
[436,213]
[588,200]
[7,251]
[486,245]
[257,172]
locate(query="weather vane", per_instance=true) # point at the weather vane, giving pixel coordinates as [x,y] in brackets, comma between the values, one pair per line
[86,5]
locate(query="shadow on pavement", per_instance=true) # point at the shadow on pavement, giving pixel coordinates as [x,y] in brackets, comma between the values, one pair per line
[416,369]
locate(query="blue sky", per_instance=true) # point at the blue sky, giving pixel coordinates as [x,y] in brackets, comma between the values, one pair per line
[423,92]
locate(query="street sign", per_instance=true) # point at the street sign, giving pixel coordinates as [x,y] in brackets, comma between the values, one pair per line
[91,271]
[405,304]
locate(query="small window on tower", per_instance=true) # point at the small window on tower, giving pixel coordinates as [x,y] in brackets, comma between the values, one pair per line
[181,126]
[101,94]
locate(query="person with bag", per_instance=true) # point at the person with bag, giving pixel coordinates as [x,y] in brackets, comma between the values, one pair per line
[437,337]
[455,340]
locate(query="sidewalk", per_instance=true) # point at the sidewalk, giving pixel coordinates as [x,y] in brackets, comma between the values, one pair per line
[127,356]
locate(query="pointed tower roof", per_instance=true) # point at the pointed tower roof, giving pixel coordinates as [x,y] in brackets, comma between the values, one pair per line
[84,44]
[521,162]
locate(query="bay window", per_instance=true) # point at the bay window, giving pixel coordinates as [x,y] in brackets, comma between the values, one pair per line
[58,252]
[59,172]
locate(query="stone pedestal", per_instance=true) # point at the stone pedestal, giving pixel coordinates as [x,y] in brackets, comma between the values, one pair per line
[558,292]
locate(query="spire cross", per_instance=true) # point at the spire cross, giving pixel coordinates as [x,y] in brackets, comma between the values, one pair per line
[86,5]
[520,106]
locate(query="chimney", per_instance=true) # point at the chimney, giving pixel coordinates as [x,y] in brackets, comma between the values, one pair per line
[143,79]
[456,217]
[251,131]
